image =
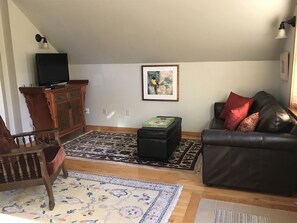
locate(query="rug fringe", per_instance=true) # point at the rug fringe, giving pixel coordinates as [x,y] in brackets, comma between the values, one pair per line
[198,165]
[64,143]
[170,209]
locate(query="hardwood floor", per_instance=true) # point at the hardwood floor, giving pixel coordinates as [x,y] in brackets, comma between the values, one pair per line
[193,188]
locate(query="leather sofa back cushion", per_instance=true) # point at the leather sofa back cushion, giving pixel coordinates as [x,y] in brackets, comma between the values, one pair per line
[272,116]
[294,130]
[6,140]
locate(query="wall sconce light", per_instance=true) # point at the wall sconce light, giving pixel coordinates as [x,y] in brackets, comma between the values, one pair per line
[282,31]
[43,40]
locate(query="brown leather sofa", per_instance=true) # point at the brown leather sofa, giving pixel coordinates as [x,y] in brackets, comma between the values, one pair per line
[264,160]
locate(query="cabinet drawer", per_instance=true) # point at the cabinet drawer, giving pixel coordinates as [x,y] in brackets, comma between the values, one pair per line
[74,93]
[60,97]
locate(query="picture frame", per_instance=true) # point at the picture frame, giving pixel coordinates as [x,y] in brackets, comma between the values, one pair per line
[160,82]
[284,66]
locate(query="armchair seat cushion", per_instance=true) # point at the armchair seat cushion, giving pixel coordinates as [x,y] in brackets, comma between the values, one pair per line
[54,156]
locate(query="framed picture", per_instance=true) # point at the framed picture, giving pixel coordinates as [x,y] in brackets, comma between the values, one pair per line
[160,82]
[284,66]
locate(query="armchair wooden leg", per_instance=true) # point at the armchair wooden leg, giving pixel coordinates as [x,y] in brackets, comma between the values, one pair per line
[65,172]
[51,204]
[50,194]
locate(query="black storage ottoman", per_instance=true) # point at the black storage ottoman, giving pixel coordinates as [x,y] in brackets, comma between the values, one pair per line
[159,143]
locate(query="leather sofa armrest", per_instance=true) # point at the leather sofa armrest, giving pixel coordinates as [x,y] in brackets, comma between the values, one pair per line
[256,140]
[218,108]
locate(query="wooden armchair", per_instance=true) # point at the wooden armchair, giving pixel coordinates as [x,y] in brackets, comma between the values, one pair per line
[30,159]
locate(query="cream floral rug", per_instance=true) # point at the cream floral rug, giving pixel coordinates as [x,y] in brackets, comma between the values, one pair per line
[92,198]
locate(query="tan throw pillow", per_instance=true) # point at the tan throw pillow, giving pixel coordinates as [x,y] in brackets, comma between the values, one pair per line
[249,123]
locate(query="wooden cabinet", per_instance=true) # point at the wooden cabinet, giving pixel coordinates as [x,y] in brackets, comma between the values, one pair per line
[61,108]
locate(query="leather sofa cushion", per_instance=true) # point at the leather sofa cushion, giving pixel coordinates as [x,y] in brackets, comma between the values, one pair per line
[294,130]
[216,123]
[273,117]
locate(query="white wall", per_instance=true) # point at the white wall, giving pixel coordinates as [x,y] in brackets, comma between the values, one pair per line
[117,88]
[2,59]
[24,48]
[2,104]
[285,86]
[5,48]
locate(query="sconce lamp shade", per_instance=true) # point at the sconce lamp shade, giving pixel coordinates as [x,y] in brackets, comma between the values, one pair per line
[281,34]
[45,44]
[282,31]
[42,40]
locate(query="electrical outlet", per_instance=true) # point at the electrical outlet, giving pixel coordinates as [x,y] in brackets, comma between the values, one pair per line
[104,111]
[87,111]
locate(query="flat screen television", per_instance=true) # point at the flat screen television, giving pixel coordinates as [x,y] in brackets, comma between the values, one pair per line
[52,68]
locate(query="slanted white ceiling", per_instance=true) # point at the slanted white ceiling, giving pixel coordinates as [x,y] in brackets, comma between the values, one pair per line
[160,31]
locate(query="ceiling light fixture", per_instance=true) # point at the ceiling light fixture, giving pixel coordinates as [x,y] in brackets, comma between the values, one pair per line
[43,40]
[282,31]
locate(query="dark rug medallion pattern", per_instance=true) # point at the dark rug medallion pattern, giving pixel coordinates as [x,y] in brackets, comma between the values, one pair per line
[122,147]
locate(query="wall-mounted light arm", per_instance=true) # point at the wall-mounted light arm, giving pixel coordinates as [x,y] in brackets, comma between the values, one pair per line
[40,38]
[292,21]
[282,29]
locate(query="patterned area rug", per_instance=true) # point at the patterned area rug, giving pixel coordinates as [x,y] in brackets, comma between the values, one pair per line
[214,211]
[94,198]
[122,147]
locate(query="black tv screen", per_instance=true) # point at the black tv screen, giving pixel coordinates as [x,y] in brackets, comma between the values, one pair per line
[52,68]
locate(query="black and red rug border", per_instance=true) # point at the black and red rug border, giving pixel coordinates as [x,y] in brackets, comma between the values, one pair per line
[122,147]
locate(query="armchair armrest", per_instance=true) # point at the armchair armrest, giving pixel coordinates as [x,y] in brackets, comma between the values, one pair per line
[45,137]
[22,151]
[256,140]
[47,131]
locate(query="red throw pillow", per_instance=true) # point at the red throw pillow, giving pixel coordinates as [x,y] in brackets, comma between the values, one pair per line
[249,123]
[235,116]
[234,101]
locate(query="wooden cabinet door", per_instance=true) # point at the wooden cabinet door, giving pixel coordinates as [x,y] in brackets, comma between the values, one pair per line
[61,108]
[76,112]
[63,116]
